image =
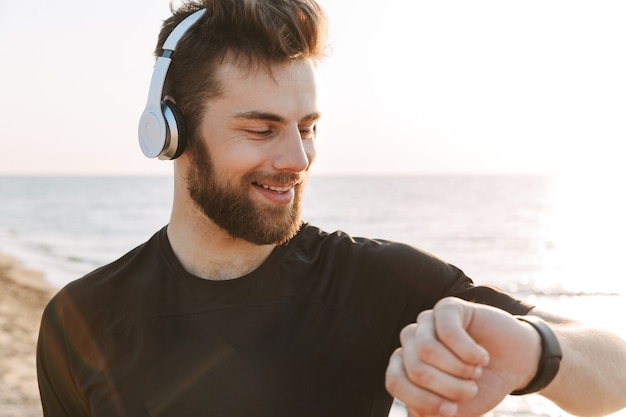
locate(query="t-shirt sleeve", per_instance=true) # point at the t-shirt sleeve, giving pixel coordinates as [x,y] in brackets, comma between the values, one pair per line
[492,296]
[57,385]
[402,281]
[420,280]
[436,279]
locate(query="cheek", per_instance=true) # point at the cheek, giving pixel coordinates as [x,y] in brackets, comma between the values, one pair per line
[229,153]
[310,150]
[241,158]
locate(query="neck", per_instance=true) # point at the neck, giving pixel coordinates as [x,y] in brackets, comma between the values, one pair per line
[206,250]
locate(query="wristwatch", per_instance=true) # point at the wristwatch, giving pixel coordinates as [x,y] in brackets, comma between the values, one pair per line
[550,360]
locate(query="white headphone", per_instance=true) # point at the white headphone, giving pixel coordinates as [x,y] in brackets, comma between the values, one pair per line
[161,126]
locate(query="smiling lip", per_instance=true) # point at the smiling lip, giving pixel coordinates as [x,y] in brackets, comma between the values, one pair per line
[277,194]
[278,189]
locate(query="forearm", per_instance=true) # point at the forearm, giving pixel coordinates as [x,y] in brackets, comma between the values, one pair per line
[591,380]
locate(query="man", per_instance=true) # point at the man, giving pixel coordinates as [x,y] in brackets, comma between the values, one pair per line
[237,308]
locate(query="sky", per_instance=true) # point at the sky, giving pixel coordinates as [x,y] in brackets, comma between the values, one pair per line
[408,87]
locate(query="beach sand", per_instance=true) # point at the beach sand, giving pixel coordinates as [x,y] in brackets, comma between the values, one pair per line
[23,296]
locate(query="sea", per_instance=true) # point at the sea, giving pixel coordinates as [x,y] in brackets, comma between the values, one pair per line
[557,242]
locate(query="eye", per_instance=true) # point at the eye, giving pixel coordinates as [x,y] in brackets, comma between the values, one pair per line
[308,132]
[260,133]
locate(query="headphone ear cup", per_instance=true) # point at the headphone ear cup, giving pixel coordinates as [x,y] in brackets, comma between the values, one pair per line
[176,130]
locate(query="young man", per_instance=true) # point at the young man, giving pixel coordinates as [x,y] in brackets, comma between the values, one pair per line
[237,308]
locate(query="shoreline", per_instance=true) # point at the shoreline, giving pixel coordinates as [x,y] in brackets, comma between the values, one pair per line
[23,297]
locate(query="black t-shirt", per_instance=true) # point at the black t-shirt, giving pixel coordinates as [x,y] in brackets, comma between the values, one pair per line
[308,333]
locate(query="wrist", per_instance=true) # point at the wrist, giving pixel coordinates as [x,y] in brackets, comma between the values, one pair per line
[549,359]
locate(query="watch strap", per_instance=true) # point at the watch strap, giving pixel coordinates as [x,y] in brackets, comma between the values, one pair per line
[550,360]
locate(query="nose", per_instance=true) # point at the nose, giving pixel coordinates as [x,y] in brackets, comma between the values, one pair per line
[293,153]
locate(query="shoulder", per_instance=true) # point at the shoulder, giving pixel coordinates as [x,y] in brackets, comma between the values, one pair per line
[369,252]
[382,262]
[115,285]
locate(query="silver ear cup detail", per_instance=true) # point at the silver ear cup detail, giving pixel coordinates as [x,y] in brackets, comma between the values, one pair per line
[170,148]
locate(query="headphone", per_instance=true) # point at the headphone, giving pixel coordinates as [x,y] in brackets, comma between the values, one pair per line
[161,126]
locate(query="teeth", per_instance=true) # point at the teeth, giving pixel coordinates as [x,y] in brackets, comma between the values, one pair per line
[276,189]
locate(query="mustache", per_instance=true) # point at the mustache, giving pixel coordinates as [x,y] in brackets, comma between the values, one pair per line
[283,178]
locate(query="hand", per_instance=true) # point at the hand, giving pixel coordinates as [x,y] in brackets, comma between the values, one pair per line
[461,359]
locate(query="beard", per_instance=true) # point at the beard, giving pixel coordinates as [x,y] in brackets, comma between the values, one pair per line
[229,205]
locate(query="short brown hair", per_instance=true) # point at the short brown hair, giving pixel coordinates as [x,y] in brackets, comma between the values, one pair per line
[254,33]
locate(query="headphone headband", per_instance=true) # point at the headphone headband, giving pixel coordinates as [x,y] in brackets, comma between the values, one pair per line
[180,30]
[159,135]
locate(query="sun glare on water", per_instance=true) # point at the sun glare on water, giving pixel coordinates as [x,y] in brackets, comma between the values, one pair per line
[588,234]
[587,244]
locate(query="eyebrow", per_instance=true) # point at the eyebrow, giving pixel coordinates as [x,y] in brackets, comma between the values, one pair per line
[271,117]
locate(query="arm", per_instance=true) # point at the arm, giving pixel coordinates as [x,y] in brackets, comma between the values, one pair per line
[463,358]
[592,377]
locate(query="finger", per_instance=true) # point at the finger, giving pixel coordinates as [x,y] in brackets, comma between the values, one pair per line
[419,401]
[430,350]
[432,376]
[451,319]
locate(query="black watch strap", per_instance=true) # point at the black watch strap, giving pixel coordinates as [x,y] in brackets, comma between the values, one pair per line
[550,356]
